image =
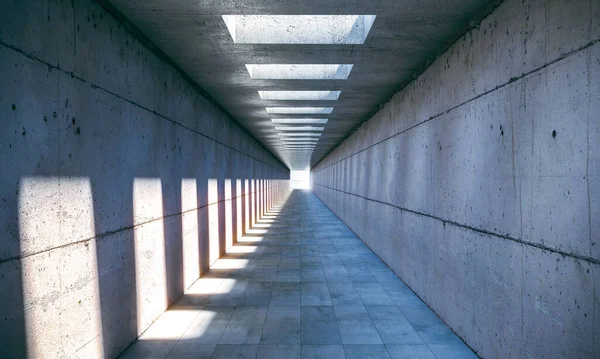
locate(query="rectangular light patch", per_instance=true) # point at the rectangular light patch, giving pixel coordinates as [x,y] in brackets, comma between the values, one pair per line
[299,128]
[304,121]
[300,110]
[300,95]
[300,71]
[299,134]
[299,29]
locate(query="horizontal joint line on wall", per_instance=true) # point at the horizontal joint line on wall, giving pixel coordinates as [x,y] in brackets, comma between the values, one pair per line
[475,229]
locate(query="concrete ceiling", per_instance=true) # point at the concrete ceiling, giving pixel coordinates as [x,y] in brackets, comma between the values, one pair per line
[405,35]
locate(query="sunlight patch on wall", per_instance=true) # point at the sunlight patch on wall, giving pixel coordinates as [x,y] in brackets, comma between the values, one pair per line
[53,212]
[247,218]
[238,207]
[228,214]
[213,221]
[149,243]
[189,230]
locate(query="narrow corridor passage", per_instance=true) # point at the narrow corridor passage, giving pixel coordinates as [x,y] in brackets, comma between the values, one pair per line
[300,284]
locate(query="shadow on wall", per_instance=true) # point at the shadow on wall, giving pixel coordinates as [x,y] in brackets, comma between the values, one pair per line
[95,260]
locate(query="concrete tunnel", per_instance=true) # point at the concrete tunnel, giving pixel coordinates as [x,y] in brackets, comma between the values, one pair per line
[299,179]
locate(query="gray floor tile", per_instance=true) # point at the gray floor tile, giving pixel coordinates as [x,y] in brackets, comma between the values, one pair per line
[356,326]
[315,294]
[336,273]
[312,274]
[413,351]
[208,326]
[323,352]
[228,293]
[319,326]
[288,275]
[343,293]
[144,350]
[282,326]
[392,326]
[186,351]
[229,351]
[372,293]
[452,351]
[366,352]
[331,260]
[359,273]
[257,294]
[245,326]
[286,294]
[429,327]
[279,352]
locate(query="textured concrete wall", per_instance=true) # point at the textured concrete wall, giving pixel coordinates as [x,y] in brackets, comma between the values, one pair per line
[479,183]
[119,182]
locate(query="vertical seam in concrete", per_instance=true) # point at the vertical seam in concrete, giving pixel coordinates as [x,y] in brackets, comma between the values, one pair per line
[587,165]
[522,298]
[512,140]
[74,28]
[587,177]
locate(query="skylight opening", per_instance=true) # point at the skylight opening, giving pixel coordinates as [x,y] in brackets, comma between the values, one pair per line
[299,128]
[301,110]
[297,139]
[299,29]
[306,121]
[299,144]
[294,140]
[312,139]
[300,71]
[300,95]
[299,134]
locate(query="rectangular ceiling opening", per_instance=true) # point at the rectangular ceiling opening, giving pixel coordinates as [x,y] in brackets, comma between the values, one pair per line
[299,128]
[300,72]
[300,110]
[299,29]
[299,134]
[306,121]
[300,95]
[300,144]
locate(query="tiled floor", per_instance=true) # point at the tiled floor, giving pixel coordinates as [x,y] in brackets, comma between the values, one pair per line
[300,285]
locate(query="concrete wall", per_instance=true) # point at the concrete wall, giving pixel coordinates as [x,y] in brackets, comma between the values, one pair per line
[479,183]
[119,182]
